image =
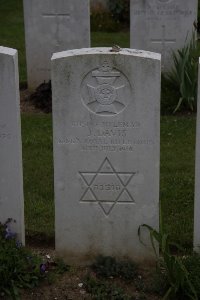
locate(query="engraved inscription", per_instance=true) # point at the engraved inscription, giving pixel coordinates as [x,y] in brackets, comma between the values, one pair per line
[107,124]
[165,1]
[162,8]
[107,187]
[105,91]
[112,136]
[105,136]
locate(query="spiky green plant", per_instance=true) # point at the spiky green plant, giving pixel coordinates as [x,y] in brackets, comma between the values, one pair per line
[172,267]
[184,74]
[179,285]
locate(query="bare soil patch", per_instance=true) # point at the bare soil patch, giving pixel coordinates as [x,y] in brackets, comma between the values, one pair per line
[25,104]
[72,284]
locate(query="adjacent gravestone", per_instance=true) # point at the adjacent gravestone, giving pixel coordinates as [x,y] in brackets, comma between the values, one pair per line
[106,122]
[197,177]
[11,180]
[53,26]
[162,26]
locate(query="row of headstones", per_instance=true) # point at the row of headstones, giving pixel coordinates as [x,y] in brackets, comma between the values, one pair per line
[53,26]
[106,124]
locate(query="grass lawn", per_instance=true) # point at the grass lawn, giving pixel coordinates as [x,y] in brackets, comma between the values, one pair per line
[12,30]
[177,147]
[177,176]
[38,173]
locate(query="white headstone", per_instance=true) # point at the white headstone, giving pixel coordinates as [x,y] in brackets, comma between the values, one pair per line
[197,176]
[52,26]
[106,121]
[11,180]
[162,26]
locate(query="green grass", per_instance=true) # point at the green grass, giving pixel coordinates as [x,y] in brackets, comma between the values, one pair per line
[12,30]
[38,173]
[177,176]
[108,39]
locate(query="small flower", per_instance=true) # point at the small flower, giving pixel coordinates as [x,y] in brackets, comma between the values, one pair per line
[43,268]
[18,244]
[9,234]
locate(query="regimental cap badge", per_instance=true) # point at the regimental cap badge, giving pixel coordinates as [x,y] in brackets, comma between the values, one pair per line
[105,70]
[105,90]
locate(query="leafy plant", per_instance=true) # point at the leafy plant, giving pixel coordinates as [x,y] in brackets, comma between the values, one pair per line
[179,284]
[18,267]
[107,266]
[169,96]
[101,290]
[192,264]
[184,74]
[61,266]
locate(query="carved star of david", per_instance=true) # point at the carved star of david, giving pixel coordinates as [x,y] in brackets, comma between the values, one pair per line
[107,187]
[106,97]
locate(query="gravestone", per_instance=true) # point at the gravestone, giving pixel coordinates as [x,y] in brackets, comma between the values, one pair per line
[197,176]
[106,122]
[11,180]
[52,26]
[162,26]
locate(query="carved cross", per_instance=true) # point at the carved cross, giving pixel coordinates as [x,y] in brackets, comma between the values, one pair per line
[58,17]
[163,41]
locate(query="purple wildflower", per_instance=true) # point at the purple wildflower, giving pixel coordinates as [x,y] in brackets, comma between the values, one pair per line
[9,234]
[43,268]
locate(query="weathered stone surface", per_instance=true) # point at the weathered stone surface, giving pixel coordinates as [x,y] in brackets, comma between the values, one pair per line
[162,26]
[53,26]
[11,181]
[106,122]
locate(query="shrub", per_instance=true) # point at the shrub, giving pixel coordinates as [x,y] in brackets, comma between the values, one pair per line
[115,18]
[120,10]
[101,20]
